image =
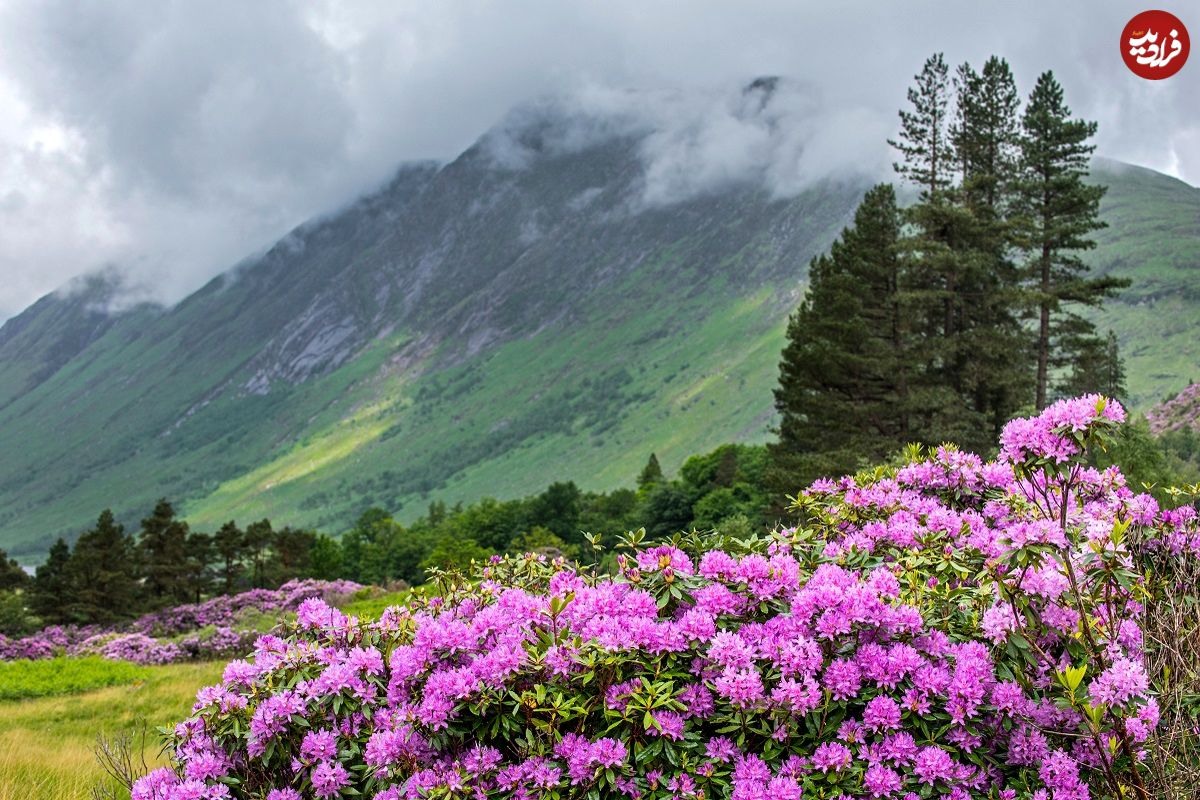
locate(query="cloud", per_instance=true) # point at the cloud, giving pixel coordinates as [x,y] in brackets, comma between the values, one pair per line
[173,138]
[777,133]
[774,132]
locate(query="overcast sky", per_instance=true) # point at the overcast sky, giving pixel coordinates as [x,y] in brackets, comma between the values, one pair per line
[173,138]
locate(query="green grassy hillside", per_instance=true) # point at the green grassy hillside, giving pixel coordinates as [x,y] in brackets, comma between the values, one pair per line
[1153,238]
[468,329]
[475,330]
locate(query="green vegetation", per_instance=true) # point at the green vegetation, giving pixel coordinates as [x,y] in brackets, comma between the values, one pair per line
[663,335]
[47,744]
[721,489]
[110,576]
[373,605]
[940,321]
[54,676]
[848,373]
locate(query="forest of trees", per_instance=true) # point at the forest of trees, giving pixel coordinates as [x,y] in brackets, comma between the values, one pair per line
[109,574]
[940,320]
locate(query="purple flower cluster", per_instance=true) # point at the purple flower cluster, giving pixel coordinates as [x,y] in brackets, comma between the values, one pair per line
[1058,433]
[218,628]
[918,635]
[135,647]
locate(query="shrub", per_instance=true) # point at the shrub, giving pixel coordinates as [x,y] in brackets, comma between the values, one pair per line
[136,648]
[221,627]
[951,627]
[14,619]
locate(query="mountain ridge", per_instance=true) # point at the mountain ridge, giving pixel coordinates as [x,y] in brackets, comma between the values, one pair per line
[470,328]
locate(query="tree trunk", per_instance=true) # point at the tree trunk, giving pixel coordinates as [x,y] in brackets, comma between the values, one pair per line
[1043,363]
[898,354]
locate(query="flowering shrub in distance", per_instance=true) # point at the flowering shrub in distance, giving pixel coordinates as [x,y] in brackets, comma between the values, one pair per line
[951,628]
[221,627]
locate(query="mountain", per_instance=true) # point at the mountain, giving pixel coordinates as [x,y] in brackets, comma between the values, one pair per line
[1153,238]
[478,327]
[520,315]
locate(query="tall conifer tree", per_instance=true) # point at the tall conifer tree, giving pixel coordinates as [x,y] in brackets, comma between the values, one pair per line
[50,595]
[986,134]
[991,346]
[101,579]
[1059,212]
[842,395]
[163,556]
[946,272]
[923,141]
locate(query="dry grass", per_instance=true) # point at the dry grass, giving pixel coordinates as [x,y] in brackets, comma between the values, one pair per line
[47,744]
[1172,635]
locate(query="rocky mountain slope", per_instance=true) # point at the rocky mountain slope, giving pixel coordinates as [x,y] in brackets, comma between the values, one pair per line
[480,327]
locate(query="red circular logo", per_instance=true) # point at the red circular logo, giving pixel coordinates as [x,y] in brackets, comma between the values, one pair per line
[1155,45]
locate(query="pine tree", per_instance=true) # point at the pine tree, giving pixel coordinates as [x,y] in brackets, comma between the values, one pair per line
[162,552]
[986,134]
[960,278]
[51,595]
[651,473]
[923,140]
[197,576]
[842,394]
[229,544]
[988,342]
[1096,365]
[258,539]
[101,579]
[1058,213]
[12,576]
[941,265]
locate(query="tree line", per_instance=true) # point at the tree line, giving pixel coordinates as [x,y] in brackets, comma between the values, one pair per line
[942,319]
[109,574]
[721,488]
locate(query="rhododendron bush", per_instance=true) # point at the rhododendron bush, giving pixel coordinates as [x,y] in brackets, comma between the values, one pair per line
[949,628]
[220,627]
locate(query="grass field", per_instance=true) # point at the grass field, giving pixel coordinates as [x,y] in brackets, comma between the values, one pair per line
[372,607]
[52,711]
[20,680]
[46,743]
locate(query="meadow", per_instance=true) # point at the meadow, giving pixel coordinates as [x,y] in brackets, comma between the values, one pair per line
[53,710]
[47,741]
